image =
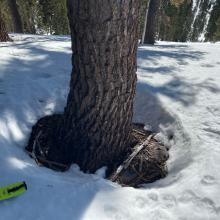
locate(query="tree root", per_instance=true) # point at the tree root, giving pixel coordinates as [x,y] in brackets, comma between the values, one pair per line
[145,162]
[43,146]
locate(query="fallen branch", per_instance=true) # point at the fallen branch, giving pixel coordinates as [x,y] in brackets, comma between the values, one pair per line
[33,153]
[139,132]
[41,159]
[127,162]
[49,162]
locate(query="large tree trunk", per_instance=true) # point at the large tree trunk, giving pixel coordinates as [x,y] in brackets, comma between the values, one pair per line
[95,129]
[149,34]
[99,109]
[18,28]
[3,32]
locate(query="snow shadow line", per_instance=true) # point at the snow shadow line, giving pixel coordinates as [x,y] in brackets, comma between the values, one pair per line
[181,54]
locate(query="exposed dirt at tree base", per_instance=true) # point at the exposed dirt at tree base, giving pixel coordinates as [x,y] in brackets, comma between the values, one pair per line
[42,141]
[146,163]
[145,166]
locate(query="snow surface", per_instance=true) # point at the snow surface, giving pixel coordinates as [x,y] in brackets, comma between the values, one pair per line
[178,95]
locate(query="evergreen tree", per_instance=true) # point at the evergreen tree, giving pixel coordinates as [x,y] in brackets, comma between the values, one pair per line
[142,19]
[29,11]
[213,27]
[217,32]
[18,27]
[50,10]
[3,32]
[174,23]
[150,29]
[95,129]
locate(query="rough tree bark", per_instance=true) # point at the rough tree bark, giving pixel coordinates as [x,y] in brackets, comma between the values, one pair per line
[149,34]
[95,129]
[3,32]
[145,22]
[18,27]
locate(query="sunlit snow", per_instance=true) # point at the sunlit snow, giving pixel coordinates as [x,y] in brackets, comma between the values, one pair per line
[178,95]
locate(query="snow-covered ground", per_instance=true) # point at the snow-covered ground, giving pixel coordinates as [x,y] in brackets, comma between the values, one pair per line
[178,94]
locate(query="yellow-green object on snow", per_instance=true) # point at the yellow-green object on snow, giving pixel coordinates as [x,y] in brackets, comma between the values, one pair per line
[12,190]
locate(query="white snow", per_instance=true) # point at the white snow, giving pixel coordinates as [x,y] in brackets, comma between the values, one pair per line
[196,11]
[207,19]
[178,94]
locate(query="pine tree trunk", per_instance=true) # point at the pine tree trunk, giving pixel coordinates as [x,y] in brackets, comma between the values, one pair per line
[3,32]
[145,22]
[149,37]
[99,109]
[95,129]
[18,28]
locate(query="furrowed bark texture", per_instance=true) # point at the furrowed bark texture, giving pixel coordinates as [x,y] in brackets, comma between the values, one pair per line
[3,32]
[95,129]
[149,37]
[18,28]
[98,115]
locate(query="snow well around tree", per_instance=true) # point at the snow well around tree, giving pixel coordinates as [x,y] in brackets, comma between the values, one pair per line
[178,86]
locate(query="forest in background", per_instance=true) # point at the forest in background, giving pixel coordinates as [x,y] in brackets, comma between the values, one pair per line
[176,20]
[38,16]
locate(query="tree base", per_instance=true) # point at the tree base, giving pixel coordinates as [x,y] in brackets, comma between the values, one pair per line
[145,161]
[43,145]
[145,164]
